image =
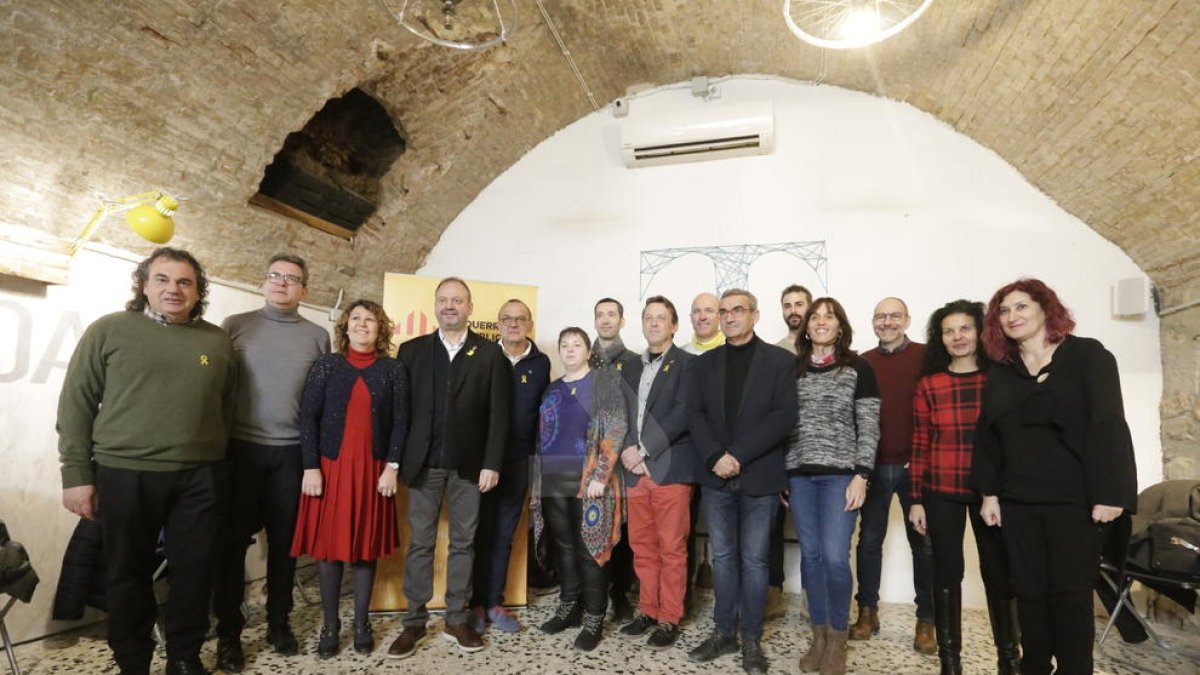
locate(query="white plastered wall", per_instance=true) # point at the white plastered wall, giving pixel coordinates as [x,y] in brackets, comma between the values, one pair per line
[905,205]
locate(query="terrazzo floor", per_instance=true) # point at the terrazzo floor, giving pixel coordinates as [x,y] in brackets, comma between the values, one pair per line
[84,652]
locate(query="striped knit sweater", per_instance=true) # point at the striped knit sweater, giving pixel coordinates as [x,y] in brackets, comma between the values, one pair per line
[837,426]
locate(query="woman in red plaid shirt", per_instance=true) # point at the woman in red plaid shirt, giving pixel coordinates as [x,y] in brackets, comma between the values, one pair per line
[945,409]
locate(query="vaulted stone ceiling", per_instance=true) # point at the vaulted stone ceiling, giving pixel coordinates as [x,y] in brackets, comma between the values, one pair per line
[1096,103]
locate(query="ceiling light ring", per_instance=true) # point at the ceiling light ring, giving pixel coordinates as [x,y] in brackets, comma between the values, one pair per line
[828,43]
[503,30]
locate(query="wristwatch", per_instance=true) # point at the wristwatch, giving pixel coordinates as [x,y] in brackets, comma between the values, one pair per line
[395,466]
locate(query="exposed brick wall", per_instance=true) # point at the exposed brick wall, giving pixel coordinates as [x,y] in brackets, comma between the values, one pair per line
[1096,103]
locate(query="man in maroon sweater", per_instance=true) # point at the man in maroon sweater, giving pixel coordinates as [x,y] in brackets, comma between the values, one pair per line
[897,365]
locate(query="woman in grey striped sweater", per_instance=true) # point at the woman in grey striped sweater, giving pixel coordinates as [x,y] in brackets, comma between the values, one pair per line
[829,458]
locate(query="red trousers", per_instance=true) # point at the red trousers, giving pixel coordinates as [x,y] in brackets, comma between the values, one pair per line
[659,521]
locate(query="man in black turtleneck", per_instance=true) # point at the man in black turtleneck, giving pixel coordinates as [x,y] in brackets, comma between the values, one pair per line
[275,347]
[743,408]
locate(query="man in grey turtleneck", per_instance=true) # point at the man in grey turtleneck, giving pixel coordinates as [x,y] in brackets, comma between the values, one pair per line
[275,347]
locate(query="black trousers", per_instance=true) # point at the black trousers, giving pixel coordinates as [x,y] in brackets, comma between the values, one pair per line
[946,521]
[186,508]
[620,565]
[775,572]
[579,577]
[693,560]
[499,515]
[1054,554]
[265,481]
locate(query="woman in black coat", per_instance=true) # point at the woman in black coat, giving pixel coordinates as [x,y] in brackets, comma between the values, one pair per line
[1053,462]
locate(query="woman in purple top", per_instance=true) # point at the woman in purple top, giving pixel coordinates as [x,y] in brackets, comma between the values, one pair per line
[577,496]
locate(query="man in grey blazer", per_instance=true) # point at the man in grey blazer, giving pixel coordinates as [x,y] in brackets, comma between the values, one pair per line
[660,471]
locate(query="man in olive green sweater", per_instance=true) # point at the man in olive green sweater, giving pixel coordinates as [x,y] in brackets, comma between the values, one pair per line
[143,422]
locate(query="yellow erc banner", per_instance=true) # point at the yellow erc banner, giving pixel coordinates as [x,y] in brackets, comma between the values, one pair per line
[409,301]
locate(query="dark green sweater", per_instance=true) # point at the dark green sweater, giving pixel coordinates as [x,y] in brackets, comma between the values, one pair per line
[146,396]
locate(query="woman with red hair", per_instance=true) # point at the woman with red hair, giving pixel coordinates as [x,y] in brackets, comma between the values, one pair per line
[1053,461]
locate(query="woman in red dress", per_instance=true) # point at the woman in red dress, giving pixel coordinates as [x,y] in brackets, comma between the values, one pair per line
[353,420]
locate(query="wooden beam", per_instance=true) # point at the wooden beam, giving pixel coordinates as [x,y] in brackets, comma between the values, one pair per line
[271,204]
[33,254]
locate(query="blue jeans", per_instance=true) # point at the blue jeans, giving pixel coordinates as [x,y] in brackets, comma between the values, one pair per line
[886,480]
[824,529]
[739,529]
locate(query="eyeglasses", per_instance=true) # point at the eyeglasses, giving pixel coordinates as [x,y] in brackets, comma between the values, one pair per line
[286,279]
[894,316]
[735,312]
[513,320]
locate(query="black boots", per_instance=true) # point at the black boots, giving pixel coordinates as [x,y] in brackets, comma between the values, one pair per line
[589,637]
[947,620]
[364,639]
[1006,631]
[329,640]
[947,611]
[568,615]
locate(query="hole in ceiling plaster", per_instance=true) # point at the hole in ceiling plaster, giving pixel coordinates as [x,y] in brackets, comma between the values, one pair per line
[328,174]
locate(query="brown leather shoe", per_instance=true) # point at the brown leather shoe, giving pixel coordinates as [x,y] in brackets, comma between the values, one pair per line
[407,642]
[925,640]
[866,625]
[463,636]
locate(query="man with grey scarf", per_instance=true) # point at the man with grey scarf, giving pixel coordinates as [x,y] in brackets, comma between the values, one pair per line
[609,351]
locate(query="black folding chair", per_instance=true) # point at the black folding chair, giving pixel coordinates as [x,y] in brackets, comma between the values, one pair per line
[1119,573]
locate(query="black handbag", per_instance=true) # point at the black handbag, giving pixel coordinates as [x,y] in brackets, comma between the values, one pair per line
[1175,546]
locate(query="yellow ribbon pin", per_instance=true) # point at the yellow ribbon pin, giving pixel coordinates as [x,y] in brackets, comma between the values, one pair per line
[524,379]
[204,359]
[471,351]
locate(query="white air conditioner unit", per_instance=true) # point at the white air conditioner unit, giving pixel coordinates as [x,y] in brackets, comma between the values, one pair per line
[711,131]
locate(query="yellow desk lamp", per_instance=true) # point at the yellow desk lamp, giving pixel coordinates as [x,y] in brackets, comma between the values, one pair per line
[150,216]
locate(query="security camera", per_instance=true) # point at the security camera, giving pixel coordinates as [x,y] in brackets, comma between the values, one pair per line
[620,107]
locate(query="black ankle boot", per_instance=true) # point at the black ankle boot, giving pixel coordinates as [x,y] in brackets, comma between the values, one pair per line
[566,616]
[1006,631]
[328,643]
[364,640]
[230,657]
[589,637]
[947,622]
